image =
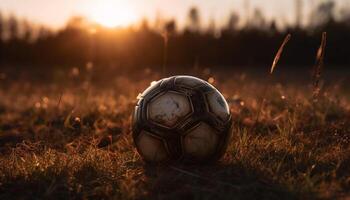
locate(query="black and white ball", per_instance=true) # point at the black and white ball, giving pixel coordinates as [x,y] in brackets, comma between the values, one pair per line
[181,118]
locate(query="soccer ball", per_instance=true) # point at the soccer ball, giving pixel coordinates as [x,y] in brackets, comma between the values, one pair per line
[181,118]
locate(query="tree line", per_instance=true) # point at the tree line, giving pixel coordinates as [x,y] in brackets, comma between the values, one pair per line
[164,43]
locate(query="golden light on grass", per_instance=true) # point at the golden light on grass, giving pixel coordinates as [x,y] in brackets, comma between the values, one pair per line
[112,13]
[37,105]
[41,145]
[242,103]
[75,71]
[89,66]
[211,80]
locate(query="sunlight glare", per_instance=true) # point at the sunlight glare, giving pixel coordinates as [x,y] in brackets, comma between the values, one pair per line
[112,13]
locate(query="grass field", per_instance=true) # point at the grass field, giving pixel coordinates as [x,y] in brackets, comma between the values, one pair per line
[69,136]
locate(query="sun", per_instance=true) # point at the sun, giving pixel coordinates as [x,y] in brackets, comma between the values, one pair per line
[112,13]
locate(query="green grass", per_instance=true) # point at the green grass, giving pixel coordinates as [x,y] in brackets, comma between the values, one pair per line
[72,139]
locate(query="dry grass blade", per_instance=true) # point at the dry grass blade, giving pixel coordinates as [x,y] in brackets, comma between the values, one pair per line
[279,52]
[318,67]
[274,64]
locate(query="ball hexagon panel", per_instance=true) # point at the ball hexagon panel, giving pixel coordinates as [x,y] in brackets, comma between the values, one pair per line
[218,105]
[151,148]
[169,108]
[188,81]
[201,141]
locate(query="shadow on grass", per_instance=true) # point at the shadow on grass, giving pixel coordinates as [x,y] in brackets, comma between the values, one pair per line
[85,183]
[220,181]
[36,186]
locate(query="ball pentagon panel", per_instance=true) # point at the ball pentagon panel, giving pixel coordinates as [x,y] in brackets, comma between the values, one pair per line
[169,108]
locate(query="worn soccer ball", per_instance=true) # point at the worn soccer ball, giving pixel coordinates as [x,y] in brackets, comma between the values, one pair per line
[181,118]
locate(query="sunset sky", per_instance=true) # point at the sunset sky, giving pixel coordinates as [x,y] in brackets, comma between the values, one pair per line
[124,12]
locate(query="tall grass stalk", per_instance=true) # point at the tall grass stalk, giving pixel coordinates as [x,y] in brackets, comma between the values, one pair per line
[316,76]
[273,66]
[279,52]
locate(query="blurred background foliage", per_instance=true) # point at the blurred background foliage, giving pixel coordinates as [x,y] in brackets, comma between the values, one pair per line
[143,45]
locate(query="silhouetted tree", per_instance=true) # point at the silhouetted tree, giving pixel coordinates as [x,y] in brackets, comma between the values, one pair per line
[43,33]
[345,15]
[170,27]
[158,22]
[323,14]
[232,23]
[258,19]
[27,31]
[144,25]
[273,27]
[212,27]
[298,13]
[13,28]
[1,27]
[194,19]
[247,13]
[1,36]
[144,45]
[76,22]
